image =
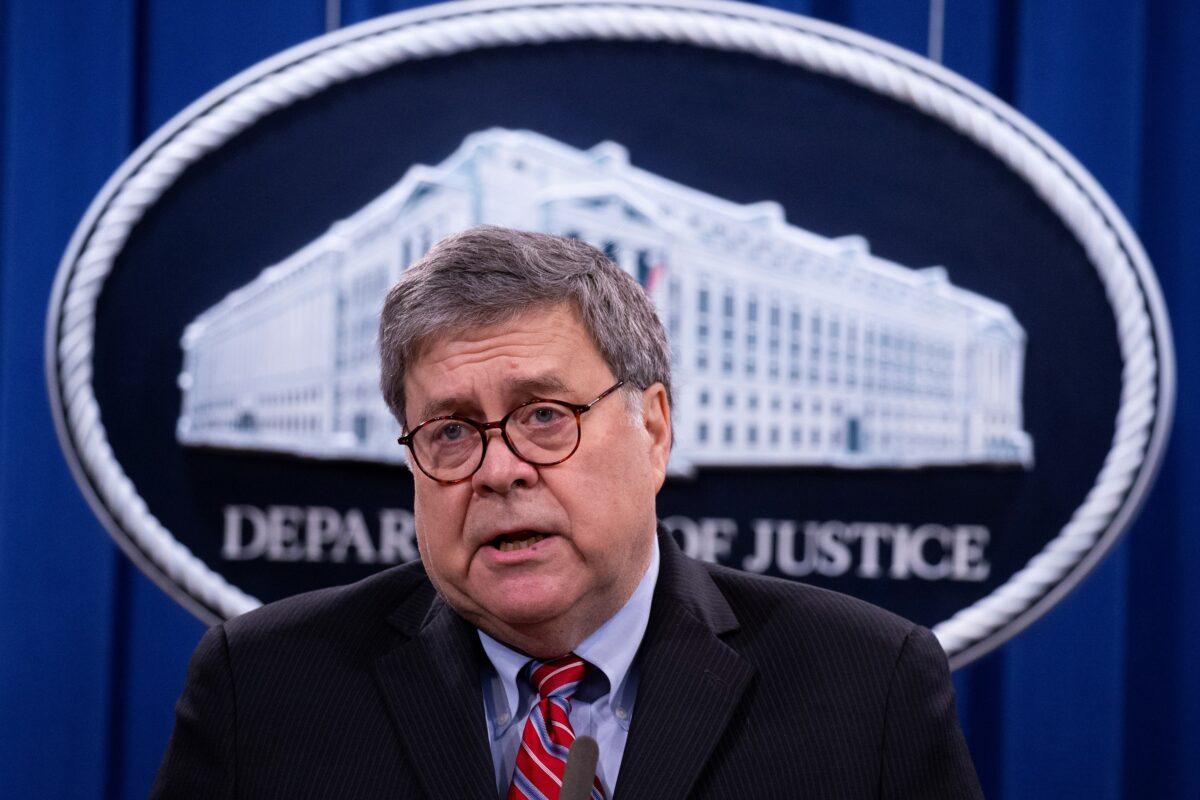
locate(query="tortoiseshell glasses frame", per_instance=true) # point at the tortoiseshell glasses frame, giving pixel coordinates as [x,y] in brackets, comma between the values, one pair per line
[557,445]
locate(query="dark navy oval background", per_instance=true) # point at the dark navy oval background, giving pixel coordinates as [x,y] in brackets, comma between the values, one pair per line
[841,160]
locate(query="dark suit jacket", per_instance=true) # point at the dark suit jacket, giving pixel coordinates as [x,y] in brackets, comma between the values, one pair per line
[748,687]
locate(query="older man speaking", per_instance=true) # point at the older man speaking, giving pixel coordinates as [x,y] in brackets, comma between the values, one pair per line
[531,378]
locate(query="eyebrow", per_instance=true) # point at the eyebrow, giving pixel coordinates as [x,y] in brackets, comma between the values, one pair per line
[546,385]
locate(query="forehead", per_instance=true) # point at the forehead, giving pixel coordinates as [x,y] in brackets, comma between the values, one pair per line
[539,352]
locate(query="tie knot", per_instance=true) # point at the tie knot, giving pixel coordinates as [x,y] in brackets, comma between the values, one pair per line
[557,678]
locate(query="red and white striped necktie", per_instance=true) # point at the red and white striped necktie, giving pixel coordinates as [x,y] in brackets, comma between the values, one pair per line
[542,759]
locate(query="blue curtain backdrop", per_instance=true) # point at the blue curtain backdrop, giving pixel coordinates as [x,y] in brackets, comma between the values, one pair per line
[1096,700]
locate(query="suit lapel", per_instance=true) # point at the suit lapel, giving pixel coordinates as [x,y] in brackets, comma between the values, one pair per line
[690,682]
[430,682]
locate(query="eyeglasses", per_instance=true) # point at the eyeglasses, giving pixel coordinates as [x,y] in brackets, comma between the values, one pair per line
[540,432]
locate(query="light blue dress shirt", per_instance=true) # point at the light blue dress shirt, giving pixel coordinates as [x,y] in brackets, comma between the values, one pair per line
[597,710]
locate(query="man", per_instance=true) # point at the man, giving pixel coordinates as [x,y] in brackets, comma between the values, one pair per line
[531,377]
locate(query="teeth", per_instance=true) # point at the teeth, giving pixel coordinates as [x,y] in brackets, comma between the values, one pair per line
[508,545]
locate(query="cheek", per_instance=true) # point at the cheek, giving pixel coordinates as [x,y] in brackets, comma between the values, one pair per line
[614,487]
[629,464]
[439,511]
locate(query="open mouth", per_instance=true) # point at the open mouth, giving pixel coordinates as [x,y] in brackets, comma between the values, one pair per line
[519,540]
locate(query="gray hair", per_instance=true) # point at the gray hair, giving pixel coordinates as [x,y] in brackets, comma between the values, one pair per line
[488,275]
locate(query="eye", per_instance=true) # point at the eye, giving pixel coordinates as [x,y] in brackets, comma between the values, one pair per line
[450,431]
[545,415]
[541,416]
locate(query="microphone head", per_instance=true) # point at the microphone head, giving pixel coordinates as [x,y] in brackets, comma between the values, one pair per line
[581,769]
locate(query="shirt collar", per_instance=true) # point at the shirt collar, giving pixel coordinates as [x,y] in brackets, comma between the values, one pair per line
[610,648]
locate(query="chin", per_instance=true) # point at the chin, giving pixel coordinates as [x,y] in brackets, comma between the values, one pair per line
[529,607]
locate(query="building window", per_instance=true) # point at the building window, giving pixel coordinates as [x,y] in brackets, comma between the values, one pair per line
[702,432]
[704,398]
[728,434]
[729,400]
[751,434]
[643,267]
[702,301]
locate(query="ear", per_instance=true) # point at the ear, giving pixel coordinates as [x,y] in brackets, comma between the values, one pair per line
[656,417]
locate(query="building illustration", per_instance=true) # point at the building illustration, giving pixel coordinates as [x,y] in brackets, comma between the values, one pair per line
[789,348]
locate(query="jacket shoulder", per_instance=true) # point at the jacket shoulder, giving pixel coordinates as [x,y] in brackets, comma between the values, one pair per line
[864,687]
[339,614]
[814,619]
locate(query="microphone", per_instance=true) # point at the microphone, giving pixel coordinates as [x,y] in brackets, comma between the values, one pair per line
[580,771]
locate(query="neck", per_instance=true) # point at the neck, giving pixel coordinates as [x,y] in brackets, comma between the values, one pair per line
[540,641]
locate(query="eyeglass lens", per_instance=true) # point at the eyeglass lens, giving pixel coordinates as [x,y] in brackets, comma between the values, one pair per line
[540,433]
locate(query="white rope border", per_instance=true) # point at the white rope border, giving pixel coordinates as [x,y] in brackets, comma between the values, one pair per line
[444,30]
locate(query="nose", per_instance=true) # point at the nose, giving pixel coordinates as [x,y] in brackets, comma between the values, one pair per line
[501,470]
